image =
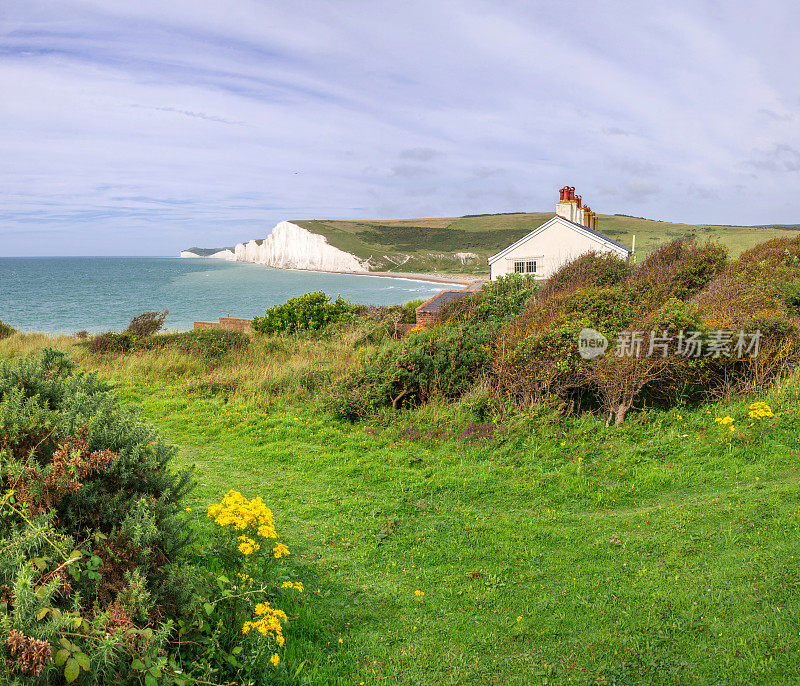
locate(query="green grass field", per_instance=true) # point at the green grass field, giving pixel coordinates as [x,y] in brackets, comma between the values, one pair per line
[428,245]
[555,551]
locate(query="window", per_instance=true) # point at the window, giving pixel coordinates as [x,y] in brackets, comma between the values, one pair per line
[525,266]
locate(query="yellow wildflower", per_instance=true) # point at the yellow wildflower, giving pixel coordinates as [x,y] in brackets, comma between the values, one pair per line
[247,545]
[725,420]
[760,410]
[275,659]
[280,549]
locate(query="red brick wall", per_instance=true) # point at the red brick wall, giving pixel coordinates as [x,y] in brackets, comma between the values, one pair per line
[425,319]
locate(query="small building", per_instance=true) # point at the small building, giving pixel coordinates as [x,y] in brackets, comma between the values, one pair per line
[427,312]
[572,232]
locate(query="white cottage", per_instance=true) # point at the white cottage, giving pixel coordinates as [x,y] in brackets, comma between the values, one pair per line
[570,234]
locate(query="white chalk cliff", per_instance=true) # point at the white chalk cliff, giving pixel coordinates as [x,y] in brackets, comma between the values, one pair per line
[290,246]
[220,255]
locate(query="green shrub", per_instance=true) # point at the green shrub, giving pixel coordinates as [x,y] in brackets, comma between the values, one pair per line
[592,270]
[679,269]
[496,302]
[209,344]
[506,297]
[312,311]
[111,342]
[682,287]
[445,361]
[97,583]
[74,469]
[147,324]
[5,330]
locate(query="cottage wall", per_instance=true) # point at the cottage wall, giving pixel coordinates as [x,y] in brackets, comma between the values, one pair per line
[551,249]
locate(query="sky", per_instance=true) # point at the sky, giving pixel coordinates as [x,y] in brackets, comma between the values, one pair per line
[141,128]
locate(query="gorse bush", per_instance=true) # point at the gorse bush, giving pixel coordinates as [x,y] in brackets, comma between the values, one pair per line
[443,361]
[312,311]
[592,270]
[96,577]
[682,287]
[90,524]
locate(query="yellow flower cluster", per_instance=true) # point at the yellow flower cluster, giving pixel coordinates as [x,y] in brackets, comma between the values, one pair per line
[760,410]
[279,549]
[240,513]
[237,511]
[289,585]
[268,623]
[275,659]
[725,420]
[247,545]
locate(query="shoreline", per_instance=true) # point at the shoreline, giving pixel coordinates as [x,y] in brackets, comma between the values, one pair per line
[465,281]
[415,276]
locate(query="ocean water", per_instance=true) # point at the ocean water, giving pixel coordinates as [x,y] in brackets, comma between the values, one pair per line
[67,294]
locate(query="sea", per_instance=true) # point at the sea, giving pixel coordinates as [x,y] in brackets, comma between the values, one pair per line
[96,294]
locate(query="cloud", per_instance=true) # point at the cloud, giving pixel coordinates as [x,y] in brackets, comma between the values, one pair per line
[148,126]
[410,170]
[780,158]
[419,154]
[199,115]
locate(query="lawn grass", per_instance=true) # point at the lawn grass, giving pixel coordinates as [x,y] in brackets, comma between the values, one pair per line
[555,551]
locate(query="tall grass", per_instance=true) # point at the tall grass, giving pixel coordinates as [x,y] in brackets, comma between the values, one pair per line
[290,367]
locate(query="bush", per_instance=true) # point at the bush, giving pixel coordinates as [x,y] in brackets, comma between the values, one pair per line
[312,311]
[146,324]
[445,361]
[679,269]
[5,330]
[682,287]
[592,270]
[111,342]
[387,321]
[90,523]
[211,344]
[496,302]
[96,579]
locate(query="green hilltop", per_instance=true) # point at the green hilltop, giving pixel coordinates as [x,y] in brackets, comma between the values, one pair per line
[433,244]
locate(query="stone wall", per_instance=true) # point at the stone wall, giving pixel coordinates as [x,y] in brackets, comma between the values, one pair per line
[227,323]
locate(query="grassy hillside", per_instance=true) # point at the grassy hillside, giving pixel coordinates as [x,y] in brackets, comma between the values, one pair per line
[428,245]
[546,549]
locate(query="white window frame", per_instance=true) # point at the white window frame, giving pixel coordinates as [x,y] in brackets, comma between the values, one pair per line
[526,265]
